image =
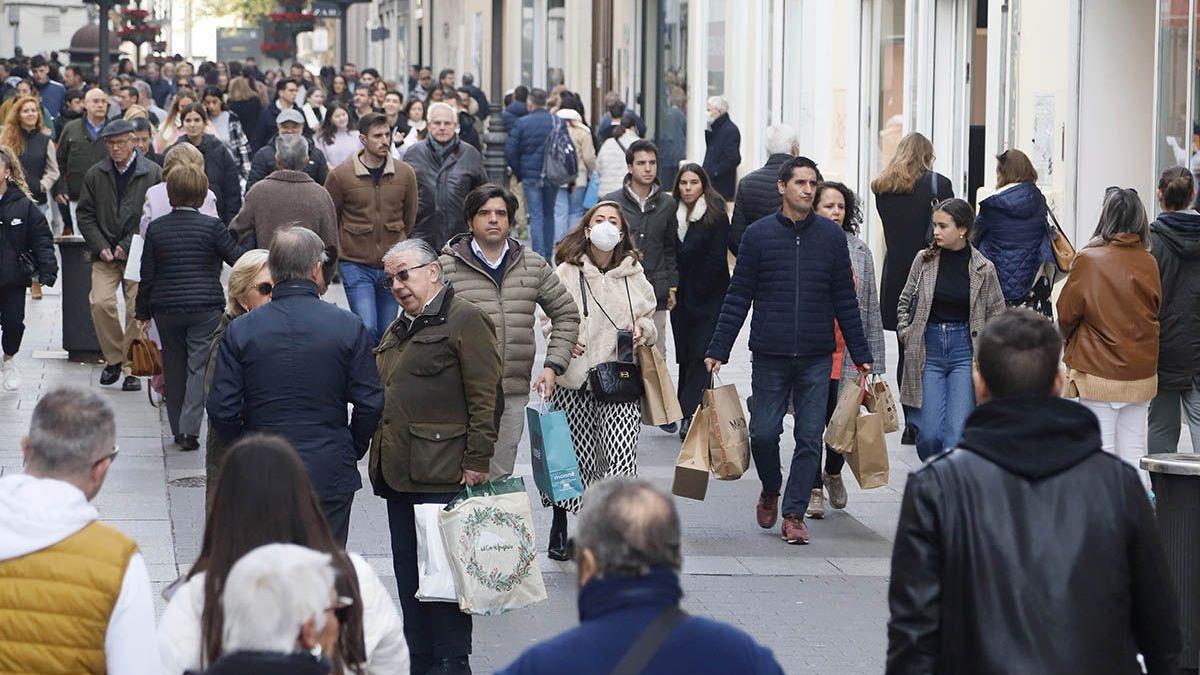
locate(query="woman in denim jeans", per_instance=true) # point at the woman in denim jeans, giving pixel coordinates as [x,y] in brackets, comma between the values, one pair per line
[952,291]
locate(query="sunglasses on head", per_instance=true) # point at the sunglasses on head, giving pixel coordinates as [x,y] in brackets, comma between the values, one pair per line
[402,275]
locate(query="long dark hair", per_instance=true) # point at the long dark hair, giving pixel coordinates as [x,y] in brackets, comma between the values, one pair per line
[712,199]
[853,216]
[327,129]
[264,496]
[574,244]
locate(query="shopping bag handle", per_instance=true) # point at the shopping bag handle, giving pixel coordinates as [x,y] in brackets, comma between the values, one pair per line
[713,379]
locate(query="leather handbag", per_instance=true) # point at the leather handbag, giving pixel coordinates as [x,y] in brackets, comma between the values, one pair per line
[144,357]
[613,381]
[1064,252]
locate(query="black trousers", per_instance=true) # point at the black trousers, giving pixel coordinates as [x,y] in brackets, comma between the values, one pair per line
[910,413]
[834,460]
[337,514]
[693,380]
[12,318]
[434,630]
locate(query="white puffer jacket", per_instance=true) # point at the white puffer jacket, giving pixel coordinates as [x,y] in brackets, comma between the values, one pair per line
[606,289]
[610,162]
[179,635]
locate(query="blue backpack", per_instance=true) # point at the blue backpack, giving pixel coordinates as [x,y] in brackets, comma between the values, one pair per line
[560,165]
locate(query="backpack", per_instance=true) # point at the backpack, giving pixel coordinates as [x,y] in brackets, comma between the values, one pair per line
[560,164]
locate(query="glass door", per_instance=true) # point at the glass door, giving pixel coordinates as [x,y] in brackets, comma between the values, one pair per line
[1175,123]
[883,84]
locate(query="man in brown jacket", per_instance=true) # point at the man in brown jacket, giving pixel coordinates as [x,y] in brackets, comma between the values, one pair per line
[440,366]
[510,282]
[286,197]
[376,201]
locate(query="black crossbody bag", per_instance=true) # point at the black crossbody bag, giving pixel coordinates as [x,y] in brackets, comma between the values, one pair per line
[617,381]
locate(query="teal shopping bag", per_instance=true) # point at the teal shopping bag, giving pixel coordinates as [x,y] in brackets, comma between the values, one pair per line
[555,467]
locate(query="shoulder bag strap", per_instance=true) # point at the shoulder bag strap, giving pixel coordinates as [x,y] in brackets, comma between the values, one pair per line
[632,318]
[583,293]
[584,288]
[649,642]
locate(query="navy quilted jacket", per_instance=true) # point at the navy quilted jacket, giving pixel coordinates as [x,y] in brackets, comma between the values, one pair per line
[1010,231]
[797,276]
[526,146]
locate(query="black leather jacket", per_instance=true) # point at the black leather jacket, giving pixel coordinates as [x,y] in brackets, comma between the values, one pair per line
[1029,550]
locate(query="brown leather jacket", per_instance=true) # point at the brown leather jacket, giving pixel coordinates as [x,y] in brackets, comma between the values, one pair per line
[1108,311]
[372,217]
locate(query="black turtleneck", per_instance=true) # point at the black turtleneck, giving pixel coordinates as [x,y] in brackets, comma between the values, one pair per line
[952,293]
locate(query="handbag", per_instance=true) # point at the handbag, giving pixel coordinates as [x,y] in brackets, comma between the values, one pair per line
[613,381]
[933,203]
[1064,252]
[144,357]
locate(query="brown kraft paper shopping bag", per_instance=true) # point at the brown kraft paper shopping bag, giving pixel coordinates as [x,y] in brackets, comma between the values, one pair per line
[728,434]
[660,403]
[842,427]
[869,461]
[691,469]
[879,400]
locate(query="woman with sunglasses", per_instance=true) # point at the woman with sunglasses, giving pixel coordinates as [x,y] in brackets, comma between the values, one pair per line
[1108,316]
[264,476]
[249,288]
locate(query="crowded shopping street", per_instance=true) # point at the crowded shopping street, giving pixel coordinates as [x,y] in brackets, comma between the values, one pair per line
[530,337]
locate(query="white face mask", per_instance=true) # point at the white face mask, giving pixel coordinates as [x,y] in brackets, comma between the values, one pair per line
[605,236]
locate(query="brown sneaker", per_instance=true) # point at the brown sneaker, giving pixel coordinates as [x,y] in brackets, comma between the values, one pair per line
[794,530]
[767,510]
[816,505]
[837,490]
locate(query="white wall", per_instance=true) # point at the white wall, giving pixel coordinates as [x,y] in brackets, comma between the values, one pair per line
[35,17]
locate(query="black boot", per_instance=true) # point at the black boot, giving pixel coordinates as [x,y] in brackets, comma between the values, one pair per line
[558,535]
[684,427]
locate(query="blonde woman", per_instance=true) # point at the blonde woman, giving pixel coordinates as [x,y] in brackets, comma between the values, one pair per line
[905,195]
[250,287]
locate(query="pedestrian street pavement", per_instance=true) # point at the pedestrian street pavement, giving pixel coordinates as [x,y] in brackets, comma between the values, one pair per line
[821,608]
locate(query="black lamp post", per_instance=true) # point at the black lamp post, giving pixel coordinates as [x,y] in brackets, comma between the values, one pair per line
[104,7]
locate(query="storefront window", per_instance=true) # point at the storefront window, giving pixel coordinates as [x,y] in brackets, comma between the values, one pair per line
[671,119]
[556,48]
[526,43]
[889,119]
[715,48]
[1176,144]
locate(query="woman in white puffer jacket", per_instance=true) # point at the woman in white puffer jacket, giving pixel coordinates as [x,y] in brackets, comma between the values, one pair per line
[610,161]
[263,497]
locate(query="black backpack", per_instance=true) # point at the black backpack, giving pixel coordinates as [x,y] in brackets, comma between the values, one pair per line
[560,165]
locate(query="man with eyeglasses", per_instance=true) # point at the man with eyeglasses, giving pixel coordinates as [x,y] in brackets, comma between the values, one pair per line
[293,366]
[109,214]
[58,562]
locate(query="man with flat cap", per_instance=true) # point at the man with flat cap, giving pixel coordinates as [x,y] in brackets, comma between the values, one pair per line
[110,210]
[290,121]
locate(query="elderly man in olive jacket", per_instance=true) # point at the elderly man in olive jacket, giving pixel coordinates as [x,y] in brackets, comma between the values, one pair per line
[510,282]
[440,366]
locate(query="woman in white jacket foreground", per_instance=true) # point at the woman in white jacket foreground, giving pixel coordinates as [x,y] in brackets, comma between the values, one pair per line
[264,496]
[600,268]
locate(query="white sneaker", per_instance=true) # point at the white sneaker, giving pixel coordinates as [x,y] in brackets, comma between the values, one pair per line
[12,379]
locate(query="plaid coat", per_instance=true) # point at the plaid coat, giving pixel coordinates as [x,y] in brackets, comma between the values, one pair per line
[987,300]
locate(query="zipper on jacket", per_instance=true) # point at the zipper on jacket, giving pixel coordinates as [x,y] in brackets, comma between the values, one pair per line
[796,309]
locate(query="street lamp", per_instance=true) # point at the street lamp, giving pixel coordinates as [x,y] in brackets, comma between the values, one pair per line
[104,7]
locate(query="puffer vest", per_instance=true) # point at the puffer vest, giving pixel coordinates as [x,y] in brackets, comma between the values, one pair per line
[55,603]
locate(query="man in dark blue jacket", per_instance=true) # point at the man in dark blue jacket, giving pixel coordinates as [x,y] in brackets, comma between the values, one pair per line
[292,366]
[794,267]
[525,152]
[723,151]
[628,556]
[516,109]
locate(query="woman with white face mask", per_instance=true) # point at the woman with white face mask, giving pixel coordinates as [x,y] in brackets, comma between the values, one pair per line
[600,268]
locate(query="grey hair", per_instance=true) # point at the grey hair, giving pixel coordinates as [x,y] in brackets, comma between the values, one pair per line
[468,79]
[425,253]
[1122,213]
[70,430]
[143,88]
[271,592]
[781,139]
[291,152]
[719,102]
[441,105]
[630,526]
[294,251]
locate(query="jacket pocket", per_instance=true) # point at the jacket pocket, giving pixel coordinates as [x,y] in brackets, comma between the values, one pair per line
[357,227]
[436,451]
[428,355]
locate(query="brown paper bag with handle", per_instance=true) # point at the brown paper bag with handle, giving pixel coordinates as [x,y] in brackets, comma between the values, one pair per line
[660,403]
[842,428]
[728,433]
[691,469]
[879,400]
[869,461]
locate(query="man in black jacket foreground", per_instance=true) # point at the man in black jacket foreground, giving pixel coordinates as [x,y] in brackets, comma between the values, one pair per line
[1027,549]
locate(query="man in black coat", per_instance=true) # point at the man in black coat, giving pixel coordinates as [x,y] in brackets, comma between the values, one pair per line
[758,192]
[1028,549]
[447,168]
[468,83]
[289,122]
[723,153]
[292,366]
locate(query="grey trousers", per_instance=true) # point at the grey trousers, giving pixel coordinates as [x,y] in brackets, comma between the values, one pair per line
[186,341]
[1164,420]
[508,437]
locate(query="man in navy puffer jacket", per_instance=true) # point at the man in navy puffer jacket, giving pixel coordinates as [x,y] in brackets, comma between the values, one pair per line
[794,267]
[628,555]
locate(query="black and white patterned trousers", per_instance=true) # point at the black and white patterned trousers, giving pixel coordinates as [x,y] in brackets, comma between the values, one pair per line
[605,437]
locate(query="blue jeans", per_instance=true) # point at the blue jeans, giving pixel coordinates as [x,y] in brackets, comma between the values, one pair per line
[947,392]
[548,207]
[773,381]
[575,211]
[368,299]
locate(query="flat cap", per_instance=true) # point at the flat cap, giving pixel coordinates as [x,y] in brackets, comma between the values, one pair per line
[116,128]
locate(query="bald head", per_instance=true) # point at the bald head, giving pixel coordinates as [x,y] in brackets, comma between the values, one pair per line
[628,527]
[96,103]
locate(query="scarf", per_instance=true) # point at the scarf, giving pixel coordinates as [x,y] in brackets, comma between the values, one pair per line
[683,220]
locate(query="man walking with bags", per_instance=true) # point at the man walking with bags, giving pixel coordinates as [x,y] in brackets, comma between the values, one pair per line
[109,214]
[794,268]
